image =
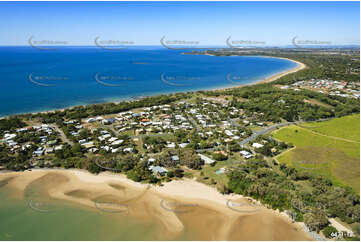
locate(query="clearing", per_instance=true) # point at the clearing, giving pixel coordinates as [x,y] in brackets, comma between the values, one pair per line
[330,148]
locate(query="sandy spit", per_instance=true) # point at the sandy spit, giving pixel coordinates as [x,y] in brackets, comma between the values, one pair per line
[211,213]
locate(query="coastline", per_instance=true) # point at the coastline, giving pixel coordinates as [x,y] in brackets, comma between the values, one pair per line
[81,187]
[269,79]
[300,66]
[186,191]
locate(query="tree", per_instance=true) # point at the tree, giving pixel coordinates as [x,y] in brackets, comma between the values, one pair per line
[234,147]
[153,179]
[190,158]
[11,123]
[170,174]
[76,149]
[126,163]
[316,220]
[328,231]
[179,173]
[219,156]
[131,174]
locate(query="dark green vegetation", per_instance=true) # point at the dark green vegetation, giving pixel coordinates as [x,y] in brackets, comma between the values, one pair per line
[11,123]
[136,167]
[307,197]
[290,105]
[328,231]
[277,104]
[344,65]
[272,147]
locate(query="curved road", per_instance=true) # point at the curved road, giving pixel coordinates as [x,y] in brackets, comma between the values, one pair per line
[263,131]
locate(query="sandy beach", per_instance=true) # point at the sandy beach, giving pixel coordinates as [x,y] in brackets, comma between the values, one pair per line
[299,67]
[175,205]
[272,78]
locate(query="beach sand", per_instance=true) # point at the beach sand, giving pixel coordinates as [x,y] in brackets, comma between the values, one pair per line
[176,206]
[272,78]
[299,67]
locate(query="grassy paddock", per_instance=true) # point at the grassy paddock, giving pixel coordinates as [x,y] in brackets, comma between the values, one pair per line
[347,127]
[337,159]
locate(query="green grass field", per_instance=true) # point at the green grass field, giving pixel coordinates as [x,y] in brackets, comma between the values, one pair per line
[347,127]
[330,148]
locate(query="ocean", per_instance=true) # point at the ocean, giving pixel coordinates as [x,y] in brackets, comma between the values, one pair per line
[34,80]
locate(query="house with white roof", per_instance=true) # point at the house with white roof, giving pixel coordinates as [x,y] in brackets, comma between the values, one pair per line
[174,158]
[257,145]
[91,120]
[128,149]
[206,159]
[246,154]
[158,170]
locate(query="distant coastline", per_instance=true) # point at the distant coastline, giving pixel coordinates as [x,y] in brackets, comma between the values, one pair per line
[268,79]
[274,77]
[300,66]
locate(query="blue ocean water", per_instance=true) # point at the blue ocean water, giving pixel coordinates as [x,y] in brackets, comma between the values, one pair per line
[39,80]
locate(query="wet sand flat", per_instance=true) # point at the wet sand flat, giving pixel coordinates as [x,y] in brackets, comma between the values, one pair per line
[179,210]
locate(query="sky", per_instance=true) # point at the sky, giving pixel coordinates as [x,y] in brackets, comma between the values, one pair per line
[204,23]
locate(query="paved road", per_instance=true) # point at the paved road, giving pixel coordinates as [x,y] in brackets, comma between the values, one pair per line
[63,136]
[263,131]
[273,127]
[255,134]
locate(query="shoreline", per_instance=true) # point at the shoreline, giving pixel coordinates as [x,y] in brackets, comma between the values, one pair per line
[186,191]
[274,77]
[268,79]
